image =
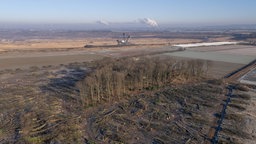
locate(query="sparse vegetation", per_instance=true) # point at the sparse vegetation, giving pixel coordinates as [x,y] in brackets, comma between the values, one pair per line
[239,107]
[215,81]
[244,96]
[126,100]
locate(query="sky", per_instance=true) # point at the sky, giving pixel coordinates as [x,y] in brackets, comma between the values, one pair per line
[128,11]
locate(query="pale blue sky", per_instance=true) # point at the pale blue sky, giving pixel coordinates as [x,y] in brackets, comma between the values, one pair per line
[163,11]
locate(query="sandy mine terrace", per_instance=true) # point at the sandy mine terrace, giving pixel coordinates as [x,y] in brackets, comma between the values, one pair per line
[37,44]
[223,59]
[214,56]
[246,50]
[44,52]
[28,58]
[249,78]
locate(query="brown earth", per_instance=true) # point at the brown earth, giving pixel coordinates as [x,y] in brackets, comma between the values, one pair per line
[33,44]
[38,99]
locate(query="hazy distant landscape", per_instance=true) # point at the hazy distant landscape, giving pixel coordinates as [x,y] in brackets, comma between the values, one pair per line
[127,72]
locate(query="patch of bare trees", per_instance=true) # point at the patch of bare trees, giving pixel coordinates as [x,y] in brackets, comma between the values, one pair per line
[114,78]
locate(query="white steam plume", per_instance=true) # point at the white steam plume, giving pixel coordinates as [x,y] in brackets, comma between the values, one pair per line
[103,22]
[149,22]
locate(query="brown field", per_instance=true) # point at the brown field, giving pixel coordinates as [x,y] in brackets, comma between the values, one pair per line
[41,100]
[36,44]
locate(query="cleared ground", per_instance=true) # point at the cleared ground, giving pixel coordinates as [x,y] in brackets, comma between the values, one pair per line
[39,100]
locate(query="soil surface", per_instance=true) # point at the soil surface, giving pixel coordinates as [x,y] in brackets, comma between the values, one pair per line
[40,103]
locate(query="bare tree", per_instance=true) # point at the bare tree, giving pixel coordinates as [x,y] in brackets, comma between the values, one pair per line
[113,79]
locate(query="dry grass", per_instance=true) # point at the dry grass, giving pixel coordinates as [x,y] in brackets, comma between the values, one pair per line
[29,114]
[80,42]
[181,112]
[242,88]
[234,127]
[215,81]
[42,105]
